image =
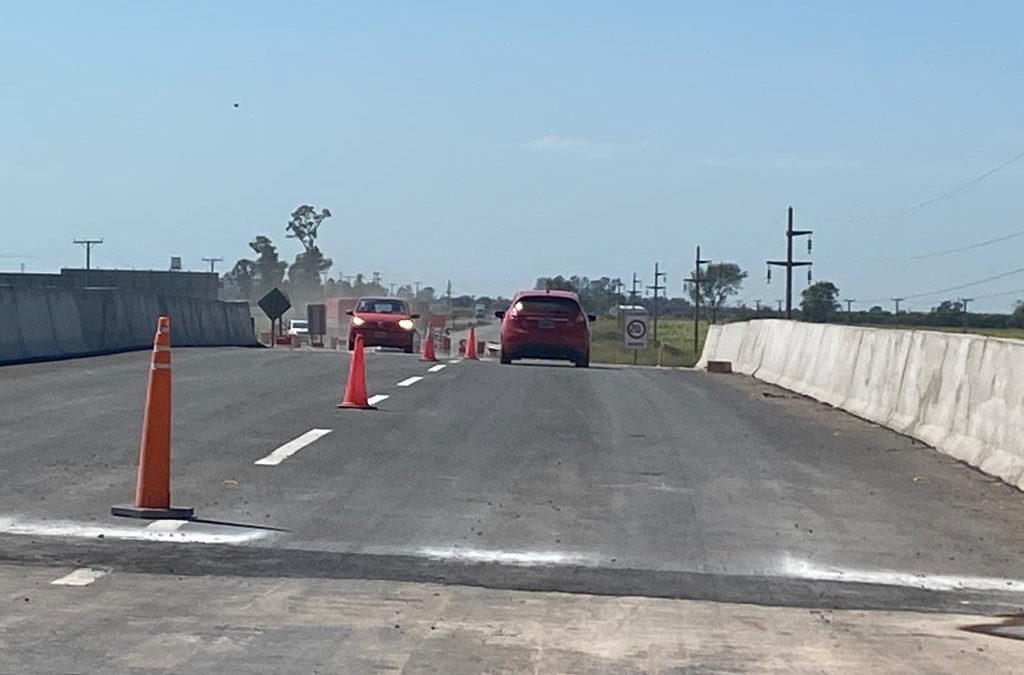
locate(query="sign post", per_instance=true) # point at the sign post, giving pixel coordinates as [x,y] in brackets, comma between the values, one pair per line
[274,304]
[634,331]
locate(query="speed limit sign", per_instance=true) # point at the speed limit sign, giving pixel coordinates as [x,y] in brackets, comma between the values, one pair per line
[635,331]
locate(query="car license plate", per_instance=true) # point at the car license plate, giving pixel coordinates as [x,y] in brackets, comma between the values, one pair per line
[379,334]
[547,324]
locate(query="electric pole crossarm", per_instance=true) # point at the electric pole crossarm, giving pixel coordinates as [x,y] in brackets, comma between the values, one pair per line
[789,263]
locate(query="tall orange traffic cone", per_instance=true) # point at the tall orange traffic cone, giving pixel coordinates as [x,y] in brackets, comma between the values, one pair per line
[427,353]
[355,388]
[471,345]
[153,489]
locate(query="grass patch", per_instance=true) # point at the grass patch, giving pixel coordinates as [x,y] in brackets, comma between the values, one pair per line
[606,343]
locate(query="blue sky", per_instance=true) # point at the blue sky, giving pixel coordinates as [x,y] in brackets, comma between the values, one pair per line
[495,142]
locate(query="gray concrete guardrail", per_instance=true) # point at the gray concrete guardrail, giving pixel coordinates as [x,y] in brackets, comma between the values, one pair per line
[43,324]
[962,394]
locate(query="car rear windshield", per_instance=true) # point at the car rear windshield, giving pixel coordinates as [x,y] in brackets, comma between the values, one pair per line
[382,307]
[543,304]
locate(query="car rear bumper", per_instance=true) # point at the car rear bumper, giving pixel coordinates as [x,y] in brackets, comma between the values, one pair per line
[544,350]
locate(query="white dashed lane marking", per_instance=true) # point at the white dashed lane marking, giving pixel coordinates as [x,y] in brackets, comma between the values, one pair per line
[83,576]
[436,369]
[374,400]
[291,447]
[409,381]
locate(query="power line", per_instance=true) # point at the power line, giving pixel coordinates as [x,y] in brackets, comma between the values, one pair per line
[950,251]
[928,202]
[1019,291]
[969,284]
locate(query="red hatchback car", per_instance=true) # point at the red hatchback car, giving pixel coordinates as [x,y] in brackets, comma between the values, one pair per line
[545,325]
[383,322]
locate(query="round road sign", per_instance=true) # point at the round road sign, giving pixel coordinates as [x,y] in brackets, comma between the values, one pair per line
[636,329]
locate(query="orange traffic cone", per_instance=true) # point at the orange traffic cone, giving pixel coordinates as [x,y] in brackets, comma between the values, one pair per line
[471,345]
[153,490]
[355,388]
[428,347]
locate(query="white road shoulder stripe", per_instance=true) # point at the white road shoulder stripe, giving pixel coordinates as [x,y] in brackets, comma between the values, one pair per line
[436,369]
[409,381]
[291,447]
[83,576]
[165,525]
[805,569]
[374,400]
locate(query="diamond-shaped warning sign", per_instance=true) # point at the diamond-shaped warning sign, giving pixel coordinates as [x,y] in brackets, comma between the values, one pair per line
[274,304]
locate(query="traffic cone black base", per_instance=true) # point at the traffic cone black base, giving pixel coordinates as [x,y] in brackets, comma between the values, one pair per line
[170,513]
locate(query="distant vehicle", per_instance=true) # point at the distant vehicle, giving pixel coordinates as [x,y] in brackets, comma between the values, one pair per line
[298,327]
[383,322]
[545,325]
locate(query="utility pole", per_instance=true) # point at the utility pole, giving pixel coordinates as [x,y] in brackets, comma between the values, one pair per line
[696,280]
[448,294]
[88,244]
[757,304]
[849,309]
[632,291]
[789,263]
[212,261]
[656,287]
[963,303]
[417,284]
[376,278]
[780,306]
[897,301]
[391,289]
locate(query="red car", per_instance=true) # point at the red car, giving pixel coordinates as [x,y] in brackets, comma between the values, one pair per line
[383,322]
[545,325]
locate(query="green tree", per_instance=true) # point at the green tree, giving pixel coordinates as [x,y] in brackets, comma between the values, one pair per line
[820,301]
[427,294]
[270,269]
[558,283]
[719,281]
[405,292]
[1017,318]
[242,278]
[948,307]
[305,272]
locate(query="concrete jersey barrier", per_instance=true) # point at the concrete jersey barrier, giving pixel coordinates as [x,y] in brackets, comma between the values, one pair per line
[38,324]
[962,394]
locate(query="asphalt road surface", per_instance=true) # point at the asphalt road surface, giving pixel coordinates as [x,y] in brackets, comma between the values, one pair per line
[673,490]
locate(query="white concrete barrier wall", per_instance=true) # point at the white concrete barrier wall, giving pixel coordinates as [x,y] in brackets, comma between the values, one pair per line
[962,394]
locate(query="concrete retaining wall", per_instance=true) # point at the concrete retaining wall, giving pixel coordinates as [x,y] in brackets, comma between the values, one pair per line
[962,394]
[40,324]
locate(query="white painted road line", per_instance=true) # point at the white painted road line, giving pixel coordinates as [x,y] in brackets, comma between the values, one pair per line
[409,381]
[165,525]
[377,398]
[437,369]
[134,532]
[525,558]
[291,447]
[454,361]
[805,569]
[83,576]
